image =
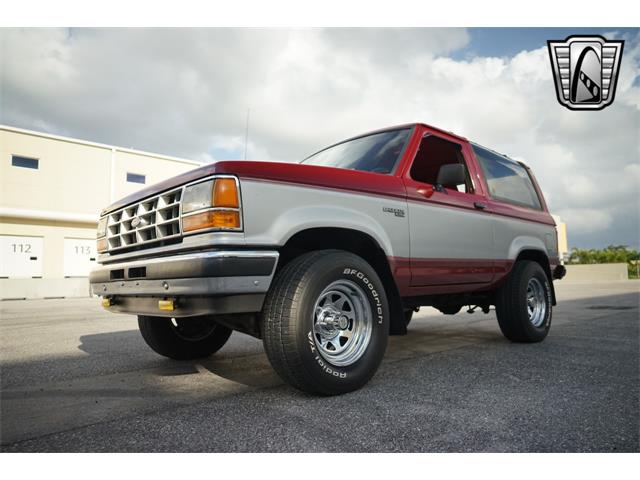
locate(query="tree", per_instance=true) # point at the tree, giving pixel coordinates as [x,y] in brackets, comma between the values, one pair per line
[610,254]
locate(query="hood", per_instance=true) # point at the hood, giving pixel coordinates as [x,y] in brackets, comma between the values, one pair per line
[293,173]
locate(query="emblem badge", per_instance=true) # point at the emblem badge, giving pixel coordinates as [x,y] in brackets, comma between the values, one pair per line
[136,221]
[585,70]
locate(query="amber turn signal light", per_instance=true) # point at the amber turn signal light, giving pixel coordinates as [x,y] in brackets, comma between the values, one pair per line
[102,245]
[225,219]
[225,193]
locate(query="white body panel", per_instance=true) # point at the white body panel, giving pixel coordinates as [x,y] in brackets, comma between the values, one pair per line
[448,232]
[274,212]
[513,235]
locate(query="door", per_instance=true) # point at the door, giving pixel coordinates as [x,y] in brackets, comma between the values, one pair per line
[79,256]
[20,256]
[451,231]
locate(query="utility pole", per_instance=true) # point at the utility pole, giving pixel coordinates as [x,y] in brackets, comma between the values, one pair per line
[246,134]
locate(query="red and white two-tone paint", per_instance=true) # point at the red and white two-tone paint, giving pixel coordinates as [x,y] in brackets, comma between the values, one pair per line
[480,237]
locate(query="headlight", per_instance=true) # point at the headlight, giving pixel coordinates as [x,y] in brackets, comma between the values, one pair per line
[102,227]
[213,204]
[197,197]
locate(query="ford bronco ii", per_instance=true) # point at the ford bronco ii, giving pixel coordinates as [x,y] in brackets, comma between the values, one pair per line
[325,258]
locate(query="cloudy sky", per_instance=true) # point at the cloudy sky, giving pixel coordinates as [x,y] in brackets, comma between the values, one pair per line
[187,92]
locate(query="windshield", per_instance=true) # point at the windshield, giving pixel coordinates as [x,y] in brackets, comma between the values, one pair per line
[378,152]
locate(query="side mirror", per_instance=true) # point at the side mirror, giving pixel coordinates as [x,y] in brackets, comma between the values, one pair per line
[452,174]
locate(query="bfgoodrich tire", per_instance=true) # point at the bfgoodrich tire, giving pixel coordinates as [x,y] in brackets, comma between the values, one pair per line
[183,338]
[325,322]
[523,304]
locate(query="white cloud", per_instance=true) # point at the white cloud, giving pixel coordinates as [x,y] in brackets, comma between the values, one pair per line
[186,93]
[586,220]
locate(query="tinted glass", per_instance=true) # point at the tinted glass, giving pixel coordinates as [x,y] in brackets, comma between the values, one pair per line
[135,178]
[374,153]
[507,180]
[24,162]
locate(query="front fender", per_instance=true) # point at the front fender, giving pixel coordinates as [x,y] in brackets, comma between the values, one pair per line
[274,212]
[294,220]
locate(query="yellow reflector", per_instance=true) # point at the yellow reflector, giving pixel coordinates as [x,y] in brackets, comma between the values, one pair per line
[102,245]
[211,219]
[106,302]
[225,193]
[167,305]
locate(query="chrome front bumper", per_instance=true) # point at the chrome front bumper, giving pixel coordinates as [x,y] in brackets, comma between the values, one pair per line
[201,283]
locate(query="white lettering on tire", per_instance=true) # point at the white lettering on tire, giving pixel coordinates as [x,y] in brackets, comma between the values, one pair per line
[323,365]
[547,321]
[361,276]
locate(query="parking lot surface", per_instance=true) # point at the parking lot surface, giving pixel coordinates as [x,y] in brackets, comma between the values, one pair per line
[76,378]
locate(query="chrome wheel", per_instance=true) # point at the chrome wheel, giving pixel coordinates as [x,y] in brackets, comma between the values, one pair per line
[536,302]
[342,323]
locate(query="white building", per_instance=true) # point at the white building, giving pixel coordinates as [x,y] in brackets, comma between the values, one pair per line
[52,191]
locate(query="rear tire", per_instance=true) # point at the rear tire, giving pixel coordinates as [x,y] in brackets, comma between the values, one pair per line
[183,338]
[325,322]
[523,304]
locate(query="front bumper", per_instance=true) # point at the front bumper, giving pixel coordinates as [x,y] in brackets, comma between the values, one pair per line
[201,283]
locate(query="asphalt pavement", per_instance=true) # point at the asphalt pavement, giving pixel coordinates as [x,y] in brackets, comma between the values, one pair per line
[76,378]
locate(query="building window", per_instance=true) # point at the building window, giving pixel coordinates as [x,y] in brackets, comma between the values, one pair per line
[135,178]
[24,162]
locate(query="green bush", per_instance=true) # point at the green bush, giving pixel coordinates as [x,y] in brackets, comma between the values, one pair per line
[611,254]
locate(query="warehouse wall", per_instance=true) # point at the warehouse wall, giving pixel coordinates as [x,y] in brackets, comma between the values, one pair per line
[155,170]
[48,215]
[71,177]
[561,230]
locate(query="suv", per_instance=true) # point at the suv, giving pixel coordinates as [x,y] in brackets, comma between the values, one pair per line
[325,258]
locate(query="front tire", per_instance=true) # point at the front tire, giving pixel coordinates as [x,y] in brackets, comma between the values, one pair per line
[326,322]
[183,338]
[523,304]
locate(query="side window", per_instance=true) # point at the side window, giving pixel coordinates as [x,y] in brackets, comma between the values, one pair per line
[435,152]
[507,180]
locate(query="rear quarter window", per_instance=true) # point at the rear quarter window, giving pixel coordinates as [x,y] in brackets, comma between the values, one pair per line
[508,181]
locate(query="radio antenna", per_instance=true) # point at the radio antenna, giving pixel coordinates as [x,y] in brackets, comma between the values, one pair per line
[246,134]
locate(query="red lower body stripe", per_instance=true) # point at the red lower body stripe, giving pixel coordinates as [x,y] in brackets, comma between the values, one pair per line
[427,276]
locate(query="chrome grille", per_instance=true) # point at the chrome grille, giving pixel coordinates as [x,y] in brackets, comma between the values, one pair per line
[151,220]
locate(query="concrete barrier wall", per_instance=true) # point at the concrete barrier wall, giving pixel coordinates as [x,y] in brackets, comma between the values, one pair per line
[596,273]
[18,288]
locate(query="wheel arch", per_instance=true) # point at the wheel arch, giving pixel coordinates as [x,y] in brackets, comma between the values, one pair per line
[356,242]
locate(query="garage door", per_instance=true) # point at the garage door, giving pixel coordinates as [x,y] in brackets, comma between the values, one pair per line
[21,257]
[79,256]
